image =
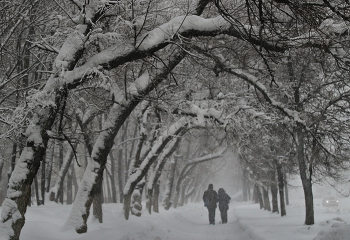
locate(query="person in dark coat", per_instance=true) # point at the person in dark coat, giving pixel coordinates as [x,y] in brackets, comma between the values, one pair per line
[210,198]
[224,200]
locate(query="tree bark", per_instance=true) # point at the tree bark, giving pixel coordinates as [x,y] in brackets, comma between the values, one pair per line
[36,190]
[49,168]
[114,188]
[75,183]
[70,185]
[156,197]
[109,194]
[286,188]
[306,181]
[267,205]
[59,197]
[274,193]
[280,187]
[258,192]
[244,185]
[255,196]
[13,159]
[43,181]
[97,203]
[136,205]
[120,175]
[169,184]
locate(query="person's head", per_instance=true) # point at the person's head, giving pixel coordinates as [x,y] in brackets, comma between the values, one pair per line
[221,191]
[210,187]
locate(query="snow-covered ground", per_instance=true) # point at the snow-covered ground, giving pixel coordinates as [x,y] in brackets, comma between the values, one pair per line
[330,223]
[245,221]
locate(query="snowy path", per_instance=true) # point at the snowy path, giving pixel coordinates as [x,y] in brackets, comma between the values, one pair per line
[189,222]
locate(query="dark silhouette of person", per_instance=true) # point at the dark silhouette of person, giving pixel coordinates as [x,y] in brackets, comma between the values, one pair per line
[210,198]
[224,200]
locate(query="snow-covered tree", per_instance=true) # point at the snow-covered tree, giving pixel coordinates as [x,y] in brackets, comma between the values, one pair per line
[109,45]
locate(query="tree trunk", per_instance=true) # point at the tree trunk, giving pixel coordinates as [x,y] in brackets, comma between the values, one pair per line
[75,183]
[175,130]
[36,189]
[56,193]
[267,205]
[248,190]
[59,197]
[1,164]
[19,187]
[136,202]
[49,168]
[280,187]
[114,188]
[70,185]
[170,183]
[120,175]
[274,193]
[109,194]
[182,195]
[153,182]
[306,181]
[13,159]
[255,196]
[97,203]
[116,117]
[245,185]
[43,181]
[156,197]
[286,188]
[258,192]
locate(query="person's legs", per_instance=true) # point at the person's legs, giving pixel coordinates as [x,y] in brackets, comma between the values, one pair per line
[224,216]
[211,215]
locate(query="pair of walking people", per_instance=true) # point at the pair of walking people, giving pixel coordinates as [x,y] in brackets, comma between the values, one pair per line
[211,197]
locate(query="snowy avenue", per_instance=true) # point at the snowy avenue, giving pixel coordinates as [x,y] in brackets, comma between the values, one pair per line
[175,119]
[189,223]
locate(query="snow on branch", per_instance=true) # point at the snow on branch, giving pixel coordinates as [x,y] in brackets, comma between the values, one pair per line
[157,148]
[207,157]
[154,40]
[167,152]
[195,111]
[251,110]
[254,81]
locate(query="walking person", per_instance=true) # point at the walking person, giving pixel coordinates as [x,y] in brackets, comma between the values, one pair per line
[224,200]
[210,198]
